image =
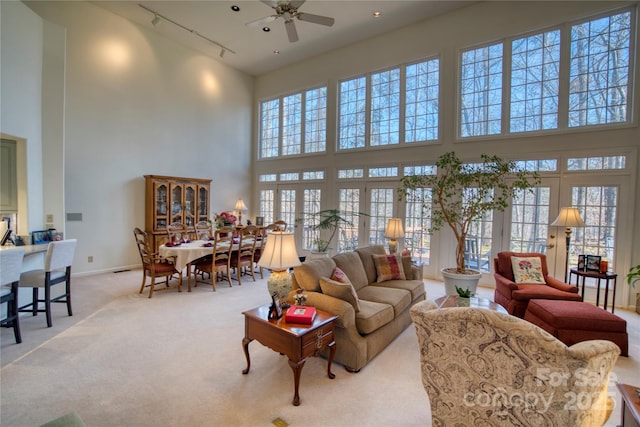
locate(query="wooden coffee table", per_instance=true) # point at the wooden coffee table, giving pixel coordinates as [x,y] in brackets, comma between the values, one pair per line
[298,342]
[449,301]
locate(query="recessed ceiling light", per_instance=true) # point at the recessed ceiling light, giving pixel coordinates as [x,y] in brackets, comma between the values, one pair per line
[276,52]
[377,14]
[235,8]
[266,29]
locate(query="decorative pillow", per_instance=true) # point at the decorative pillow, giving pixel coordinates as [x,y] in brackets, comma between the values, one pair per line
[339,276]
[343,291]
[389,267]
[527,270]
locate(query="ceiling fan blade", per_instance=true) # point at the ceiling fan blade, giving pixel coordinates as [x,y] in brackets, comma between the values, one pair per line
[291,31]
[297,3]
[270,3]
[316,19]
[262,21]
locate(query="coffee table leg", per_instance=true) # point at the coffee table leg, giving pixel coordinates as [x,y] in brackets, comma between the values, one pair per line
[296,367]
[245,345]
[332,352]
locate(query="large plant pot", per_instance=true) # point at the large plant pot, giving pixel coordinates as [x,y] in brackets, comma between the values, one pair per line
[317,254]
[463,281]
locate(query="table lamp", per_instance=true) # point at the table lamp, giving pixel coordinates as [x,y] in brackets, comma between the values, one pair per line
[568,217]
[278,256]
[394,231]
[240,207]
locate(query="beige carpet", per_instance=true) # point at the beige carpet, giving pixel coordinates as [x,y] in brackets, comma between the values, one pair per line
[176,360]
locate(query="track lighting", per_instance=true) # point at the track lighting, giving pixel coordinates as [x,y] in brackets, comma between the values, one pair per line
[155,21]
[221,53]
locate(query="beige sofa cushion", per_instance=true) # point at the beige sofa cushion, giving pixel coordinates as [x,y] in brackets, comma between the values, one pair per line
[340,290]
[366,256]
[416,287]
[350,263]
[309,273]
[399,299]
[372,315]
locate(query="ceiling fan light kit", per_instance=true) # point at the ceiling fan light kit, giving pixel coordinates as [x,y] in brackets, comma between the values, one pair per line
[288,11]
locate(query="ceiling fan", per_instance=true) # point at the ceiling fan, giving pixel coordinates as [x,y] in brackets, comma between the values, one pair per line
[288,10]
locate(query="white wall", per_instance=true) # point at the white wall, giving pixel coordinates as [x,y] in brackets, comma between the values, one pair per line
[135,104]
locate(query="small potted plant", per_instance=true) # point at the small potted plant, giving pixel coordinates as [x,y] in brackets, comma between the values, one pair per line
[461,194]
[633,278]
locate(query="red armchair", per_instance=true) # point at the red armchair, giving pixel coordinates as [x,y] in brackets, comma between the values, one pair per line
[515,296]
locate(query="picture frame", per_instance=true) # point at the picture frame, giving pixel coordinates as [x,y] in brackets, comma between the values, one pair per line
[275,311]
[581,262]
[40,237]
[259,221]
[592,263]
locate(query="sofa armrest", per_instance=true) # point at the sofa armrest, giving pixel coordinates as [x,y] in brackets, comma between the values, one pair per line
[345,311]
[560,285]
[504,285]
[417,271]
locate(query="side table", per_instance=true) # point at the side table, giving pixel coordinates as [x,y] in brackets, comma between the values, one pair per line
[298,342]
[607,276]
[630,405]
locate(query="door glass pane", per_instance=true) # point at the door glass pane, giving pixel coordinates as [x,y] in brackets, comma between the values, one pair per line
[417,238]
[288,208]
[349,202]
[381,209]
[529,220]
[266,206]
[310,206]
[478,244]
[598,208]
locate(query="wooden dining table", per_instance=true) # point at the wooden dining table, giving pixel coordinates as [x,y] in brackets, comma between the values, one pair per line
[185,253]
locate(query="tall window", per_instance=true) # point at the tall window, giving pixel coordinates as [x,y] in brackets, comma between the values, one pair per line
[294,124]
[380,209]
[385,107]
[599,76]
[530,219]
[311,206]
[422,101]
[598,207]
[481,91]
[353,107]
[266,205]
[417,223]
[535,71]
[288,208]
[478,244]
[348,204]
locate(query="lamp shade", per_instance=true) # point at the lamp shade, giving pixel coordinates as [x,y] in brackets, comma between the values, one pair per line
[394,229]
[280,252]
[569,217]
[240,206]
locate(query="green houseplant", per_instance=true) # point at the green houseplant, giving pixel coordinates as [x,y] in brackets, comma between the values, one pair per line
[462,193]
[329,220]
[633,277]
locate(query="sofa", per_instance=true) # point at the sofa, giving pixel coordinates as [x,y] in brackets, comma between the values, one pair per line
[533,282]
[370,292]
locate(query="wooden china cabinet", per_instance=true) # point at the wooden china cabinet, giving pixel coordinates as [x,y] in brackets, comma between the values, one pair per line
[170,199]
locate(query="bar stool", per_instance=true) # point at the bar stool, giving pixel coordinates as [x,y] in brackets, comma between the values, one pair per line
[10,266]
[57,269]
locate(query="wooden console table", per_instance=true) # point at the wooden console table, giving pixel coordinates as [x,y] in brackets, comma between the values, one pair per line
[298,342]
[630,416]
[607,276]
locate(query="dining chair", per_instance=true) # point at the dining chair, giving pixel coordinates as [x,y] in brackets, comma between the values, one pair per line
[220,262]
[261,240]
[280,225]
[57,269]
[153,265]
[242,258]
[10,267]
[203,230]
[176,231]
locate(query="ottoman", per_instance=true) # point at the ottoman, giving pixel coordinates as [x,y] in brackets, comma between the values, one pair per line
[574,321]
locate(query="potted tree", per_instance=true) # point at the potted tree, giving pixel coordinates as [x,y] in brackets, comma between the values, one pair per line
[632,278]
[329,220]
[461,194]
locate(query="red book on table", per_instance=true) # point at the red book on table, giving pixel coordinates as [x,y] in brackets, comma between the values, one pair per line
[300,314]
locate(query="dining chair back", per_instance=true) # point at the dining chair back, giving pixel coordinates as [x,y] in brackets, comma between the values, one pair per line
[176,232]
[242,258]
[219,265]
[203,230]
[57,269]
[153,265]
[261,240]
[10,267]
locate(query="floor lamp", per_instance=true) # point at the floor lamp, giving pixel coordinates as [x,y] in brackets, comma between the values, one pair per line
[568,217]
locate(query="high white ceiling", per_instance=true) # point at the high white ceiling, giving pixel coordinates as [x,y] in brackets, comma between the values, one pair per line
[254,48]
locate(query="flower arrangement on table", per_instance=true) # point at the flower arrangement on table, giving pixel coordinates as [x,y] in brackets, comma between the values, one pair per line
[225,219]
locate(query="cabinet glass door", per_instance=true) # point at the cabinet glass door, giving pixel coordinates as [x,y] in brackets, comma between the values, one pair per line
[203,205]
[176,203]
[189,205]
[161,216]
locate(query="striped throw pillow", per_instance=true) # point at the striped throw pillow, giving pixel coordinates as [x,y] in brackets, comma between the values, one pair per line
[389,267]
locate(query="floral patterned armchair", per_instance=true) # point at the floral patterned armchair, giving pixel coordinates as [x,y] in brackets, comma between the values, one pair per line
[481,367]
[514,294]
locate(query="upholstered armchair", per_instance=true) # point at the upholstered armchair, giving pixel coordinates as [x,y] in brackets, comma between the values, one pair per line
[514,296]
[481,367]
